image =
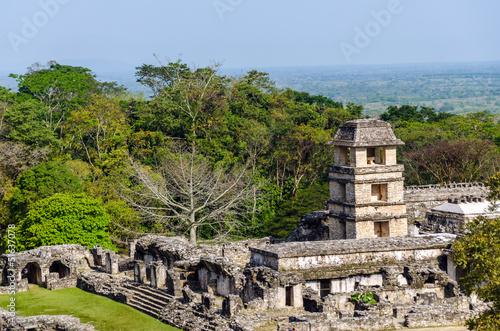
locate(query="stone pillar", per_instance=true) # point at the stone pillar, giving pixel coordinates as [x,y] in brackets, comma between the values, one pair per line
[97,253]
[188,295]
[358,157]
[111,262]
[208,301]
[451,268]
[280,299]
[131,248]
[174,283]
[139,271]
[231,305]
[297,296]
[158,274]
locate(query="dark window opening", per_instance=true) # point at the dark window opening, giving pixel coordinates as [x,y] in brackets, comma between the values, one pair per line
[431,279]
[379,192]
[370,155]
[324,287]
[343,230]
[60,268]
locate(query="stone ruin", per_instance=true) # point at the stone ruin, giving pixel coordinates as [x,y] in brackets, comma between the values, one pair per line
[366,240]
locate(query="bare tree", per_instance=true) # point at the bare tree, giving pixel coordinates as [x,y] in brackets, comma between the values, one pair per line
[185,192]
[464,160]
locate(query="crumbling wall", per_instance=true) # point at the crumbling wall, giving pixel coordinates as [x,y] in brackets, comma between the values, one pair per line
[169,250]
[62,260]
[422,198]
[220,276]
[267,289]
[42,323]
[311,227]
[239,250]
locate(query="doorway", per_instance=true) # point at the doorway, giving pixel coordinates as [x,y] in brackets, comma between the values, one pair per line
[33,273]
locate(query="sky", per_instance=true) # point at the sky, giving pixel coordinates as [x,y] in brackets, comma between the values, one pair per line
[119,35]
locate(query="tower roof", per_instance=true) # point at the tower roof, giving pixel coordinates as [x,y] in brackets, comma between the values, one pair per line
[365,133]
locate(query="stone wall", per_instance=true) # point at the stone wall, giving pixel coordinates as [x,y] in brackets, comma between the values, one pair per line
[169,250]
[437,318]
[42,323]
[344,324]
[62,260]
[339,253]
[239,250]
[220,276]
[420,199]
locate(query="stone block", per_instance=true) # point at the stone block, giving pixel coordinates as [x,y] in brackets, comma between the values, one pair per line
[188,295]
[112,263]
[231,306]
[139,271]
[158,274]
[174,283]
[208,301]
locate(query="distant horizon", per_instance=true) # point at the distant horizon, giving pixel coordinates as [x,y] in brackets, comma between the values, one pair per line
[224,68]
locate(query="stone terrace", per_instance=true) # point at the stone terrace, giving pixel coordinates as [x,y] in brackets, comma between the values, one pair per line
[338,253]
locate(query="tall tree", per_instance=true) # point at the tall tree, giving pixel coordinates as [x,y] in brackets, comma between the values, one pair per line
[97,128]
[463,160]
[186,192]
[61,88]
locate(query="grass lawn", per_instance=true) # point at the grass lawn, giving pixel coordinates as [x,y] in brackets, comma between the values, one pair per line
[105,314]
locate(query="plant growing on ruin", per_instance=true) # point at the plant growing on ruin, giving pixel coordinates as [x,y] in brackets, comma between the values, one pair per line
[365,297]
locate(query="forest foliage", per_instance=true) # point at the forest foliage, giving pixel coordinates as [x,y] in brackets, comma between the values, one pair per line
[64,133]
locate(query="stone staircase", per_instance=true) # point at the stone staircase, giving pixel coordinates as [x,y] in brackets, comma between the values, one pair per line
[152,301]
[147,299]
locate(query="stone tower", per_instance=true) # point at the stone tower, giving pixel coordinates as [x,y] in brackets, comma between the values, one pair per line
[366,183]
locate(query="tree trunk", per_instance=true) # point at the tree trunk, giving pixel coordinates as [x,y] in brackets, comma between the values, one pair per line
[192,234]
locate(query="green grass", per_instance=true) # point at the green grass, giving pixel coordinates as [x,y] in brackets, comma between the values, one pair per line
[105,314]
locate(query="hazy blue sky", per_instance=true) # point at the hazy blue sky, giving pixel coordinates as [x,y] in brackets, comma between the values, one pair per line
[248,33]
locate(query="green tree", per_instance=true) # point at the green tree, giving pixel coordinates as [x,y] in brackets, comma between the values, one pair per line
[309,199]
[98,128]
[478,255]
[65,219]
[461,160]
[61,88]
[40,182]
[26,122]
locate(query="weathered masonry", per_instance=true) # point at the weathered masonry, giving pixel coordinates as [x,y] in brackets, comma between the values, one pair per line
[366,183]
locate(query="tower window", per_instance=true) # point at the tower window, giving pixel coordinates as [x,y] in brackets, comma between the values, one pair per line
[370,156]
[381,229]
[379,192]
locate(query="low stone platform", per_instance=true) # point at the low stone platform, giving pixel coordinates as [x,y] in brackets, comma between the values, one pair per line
[338,253]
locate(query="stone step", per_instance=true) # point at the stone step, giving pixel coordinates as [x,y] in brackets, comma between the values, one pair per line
[142,309]
[148,303]
[149,291]
[145,296]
